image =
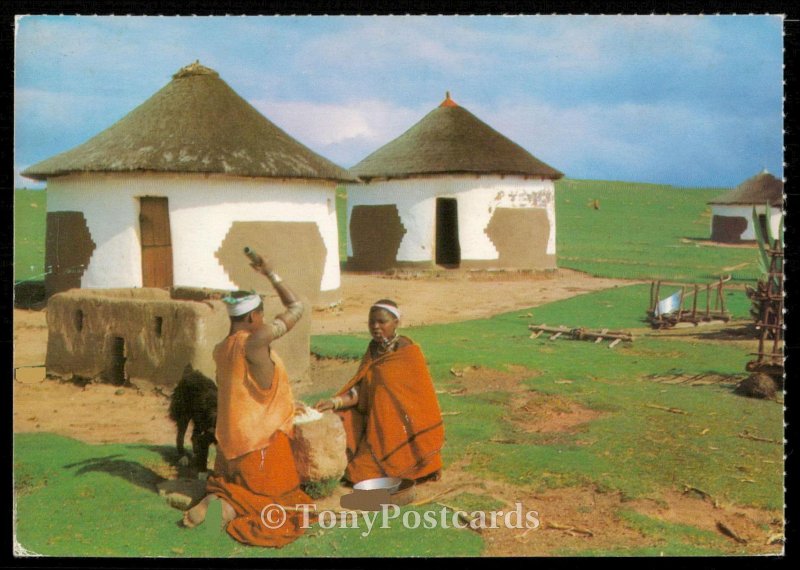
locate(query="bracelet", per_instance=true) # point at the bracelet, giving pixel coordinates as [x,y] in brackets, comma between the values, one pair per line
[274,277]
[337,402]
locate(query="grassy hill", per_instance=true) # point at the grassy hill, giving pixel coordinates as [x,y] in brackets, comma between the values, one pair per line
[643,231]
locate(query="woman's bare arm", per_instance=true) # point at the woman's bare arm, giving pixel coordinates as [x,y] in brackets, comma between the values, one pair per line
[257,348]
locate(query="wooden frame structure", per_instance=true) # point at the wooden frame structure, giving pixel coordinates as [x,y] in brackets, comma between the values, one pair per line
[694,314]
[769,296]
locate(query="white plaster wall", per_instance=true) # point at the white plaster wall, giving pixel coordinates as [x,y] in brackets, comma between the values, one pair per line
[201,210]
[477,197]
[746,212]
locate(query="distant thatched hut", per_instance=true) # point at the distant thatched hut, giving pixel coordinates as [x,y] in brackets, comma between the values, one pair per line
[170,194]
[732,213]
[452,191]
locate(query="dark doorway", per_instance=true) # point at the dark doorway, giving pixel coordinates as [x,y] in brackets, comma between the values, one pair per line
[115,373]
[156,242]
[448,249]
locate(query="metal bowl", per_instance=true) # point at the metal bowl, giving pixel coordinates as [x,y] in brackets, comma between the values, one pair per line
[391,484]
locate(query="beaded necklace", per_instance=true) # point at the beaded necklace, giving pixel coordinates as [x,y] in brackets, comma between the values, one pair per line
[387,345]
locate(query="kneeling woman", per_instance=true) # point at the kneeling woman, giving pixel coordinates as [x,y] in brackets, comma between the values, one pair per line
[389,408]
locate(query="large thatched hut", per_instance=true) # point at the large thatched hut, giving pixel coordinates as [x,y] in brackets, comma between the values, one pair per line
[454,192]
[732,212]
[171,193]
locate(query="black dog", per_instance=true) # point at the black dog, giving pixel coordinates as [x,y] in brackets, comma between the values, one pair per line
[195,400]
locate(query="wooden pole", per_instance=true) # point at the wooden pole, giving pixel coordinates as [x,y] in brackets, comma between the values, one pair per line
[694,303]
[708,300]
[716,299]
[658,288]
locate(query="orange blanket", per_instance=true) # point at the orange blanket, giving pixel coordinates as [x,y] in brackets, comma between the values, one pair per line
[248,415]
[257,480]
[396,429]
[255,467]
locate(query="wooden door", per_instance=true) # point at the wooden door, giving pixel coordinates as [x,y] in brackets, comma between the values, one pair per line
[156,242]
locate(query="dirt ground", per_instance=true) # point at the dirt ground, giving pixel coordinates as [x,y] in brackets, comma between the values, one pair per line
[99,413]
[426,299]
[581,518]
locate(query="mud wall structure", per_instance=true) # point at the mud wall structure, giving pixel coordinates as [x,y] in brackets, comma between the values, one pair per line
[100,213]
[503,222]
[731,224]
[149,334]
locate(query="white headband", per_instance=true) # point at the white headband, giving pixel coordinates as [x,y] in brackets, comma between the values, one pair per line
[242,305]
[394,310]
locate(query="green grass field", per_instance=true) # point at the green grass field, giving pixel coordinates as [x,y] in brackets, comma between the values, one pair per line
[610,380]
[643,231]
[341,220]
[30,212]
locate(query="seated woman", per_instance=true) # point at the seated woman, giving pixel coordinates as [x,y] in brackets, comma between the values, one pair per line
[389,408]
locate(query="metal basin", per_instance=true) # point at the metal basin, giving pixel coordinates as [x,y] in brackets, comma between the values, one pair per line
[390,484]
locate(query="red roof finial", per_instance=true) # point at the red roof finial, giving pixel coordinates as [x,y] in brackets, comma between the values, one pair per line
[448,102]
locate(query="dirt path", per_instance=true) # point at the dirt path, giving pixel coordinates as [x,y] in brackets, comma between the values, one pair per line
[450,297]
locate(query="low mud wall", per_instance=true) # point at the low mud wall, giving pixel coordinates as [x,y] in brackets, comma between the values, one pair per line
[126,334]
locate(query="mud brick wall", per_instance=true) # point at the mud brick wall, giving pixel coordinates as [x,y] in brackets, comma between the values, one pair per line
[118,334]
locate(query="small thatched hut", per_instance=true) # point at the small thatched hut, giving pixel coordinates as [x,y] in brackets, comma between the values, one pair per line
[732,212]
[454,192]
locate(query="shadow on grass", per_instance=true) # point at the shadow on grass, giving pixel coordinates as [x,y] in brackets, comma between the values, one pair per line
[169,455]
[131,471]
[706,240]
[746,331]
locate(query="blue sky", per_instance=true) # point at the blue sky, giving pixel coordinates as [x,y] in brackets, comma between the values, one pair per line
[683,100]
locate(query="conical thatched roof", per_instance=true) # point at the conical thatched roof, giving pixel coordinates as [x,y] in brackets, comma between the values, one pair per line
[451,140]
[196,123]
[761,189]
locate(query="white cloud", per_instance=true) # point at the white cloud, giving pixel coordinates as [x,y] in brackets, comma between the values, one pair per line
[375,43]
[645,142]
[328,128]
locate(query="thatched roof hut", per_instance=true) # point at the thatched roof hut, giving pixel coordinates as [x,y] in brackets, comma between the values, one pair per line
[732,212]
[451,140]
[198,124]
[170,194]
[763,188]
[452,191]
